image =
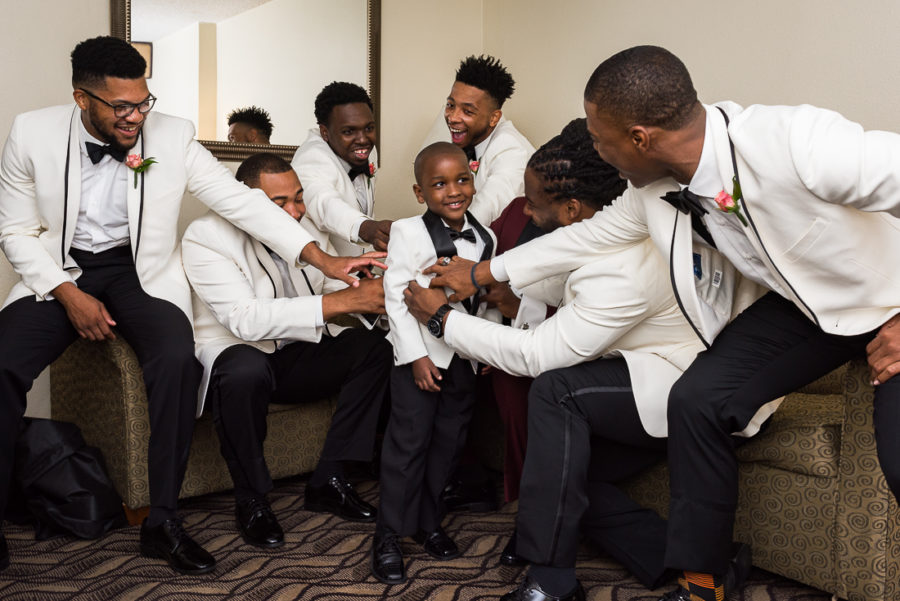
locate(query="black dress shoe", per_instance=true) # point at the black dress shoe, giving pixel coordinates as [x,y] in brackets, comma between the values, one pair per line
[437,544]
[469,496]
[738,570]
[529,590]
[338,497]
[508,555]
[169,541]
[387,559]
[257,524]
[4,553]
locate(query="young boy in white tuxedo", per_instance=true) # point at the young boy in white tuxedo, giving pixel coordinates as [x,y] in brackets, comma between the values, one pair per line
[337,165]
[263,336]
[432,388]
[473,120]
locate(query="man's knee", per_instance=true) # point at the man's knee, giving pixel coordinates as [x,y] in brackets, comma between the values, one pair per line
[689,402]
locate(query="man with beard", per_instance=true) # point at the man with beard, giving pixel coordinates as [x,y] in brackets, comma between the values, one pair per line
[337,164]
[93,241]
[474,121]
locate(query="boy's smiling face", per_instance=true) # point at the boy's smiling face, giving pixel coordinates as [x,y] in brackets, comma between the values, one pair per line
[446,186]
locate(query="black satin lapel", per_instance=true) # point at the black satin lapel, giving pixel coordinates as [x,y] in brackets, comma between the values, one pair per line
[137,244]
[437,231]
[488,251]
[62,244]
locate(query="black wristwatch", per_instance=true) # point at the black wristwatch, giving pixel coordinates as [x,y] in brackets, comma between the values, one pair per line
[436,322]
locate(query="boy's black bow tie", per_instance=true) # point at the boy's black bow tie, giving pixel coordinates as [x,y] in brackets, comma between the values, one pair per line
[96,152]
[466,234]
[685,201]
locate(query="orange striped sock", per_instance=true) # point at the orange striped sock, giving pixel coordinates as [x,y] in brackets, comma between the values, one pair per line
[703,587]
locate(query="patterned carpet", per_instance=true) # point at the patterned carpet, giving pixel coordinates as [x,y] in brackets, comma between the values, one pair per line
[323,558]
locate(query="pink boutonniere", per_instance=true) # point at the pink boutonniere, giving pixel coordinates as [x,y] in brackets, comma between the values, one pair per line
[473,165]
[728,203]
[138,165]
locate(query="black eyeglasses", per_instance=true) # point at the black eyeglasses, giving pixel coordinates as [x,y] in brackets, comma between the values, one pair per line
[124,110]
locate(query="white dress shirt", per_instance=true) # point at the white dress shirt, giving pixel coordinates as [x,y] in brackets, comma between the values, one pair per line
[361,185]
[103,212]
[291,292]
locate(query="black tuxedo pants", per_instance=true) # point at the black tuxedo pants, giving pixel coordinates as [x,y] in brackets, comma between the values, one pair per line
[424,439]
[355,365]
[769,350]
[33,334]
[585,436]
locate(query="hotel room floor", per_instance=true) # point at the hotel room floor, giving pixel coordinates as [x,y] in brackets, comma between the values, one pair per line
[324,558]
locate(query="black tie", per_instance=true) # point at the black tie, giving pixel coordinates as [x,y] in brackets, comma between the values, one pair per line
[467,234]
[357,170]
[470,153]
[687,202]
[96,152]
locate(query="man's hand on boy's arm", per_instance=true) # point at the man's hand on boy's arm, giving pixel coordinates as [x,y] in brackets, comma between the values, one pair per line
[341,268]
[423,302]
[376,233]
[457,275]
[367,297]
[501,296]
[884,352]
[426,374]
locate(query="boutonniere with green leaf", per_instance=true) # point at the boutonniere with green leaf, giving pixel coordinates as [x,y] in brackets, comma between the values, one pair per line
[728,203]
[138,165]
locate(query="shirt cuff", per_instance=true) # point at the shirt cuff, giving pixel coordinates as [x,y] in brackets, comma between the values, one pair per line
[320,317]
[498,269]
[451,315]
[354,231]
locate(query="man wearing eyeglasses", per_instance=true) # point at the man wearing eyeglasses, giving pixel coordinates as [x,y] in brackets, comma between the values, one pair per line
[89,201]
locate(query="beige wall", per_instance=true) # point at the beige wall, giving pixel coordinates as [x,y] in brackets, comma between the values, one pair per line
[36,38]
[176,73]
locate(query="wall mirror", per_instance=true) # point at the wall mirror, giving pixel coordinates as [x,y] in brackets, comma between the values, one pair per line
[210,57]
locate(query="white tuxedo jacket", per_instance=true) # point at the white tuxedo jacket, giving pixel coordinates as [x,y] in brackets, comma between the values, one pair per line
[501,167]
[238,294]
[331,201]
[410,250]
[40,190]
[821,196]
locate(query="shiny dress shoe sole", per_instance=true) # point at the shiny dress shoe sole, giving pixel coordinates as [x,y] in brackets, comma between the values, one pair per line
[529,590]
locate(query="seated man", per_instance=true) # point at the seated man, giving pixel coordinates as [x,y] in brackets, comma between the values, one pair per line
[337,165]
[263,337]
[473,120]
[251,125]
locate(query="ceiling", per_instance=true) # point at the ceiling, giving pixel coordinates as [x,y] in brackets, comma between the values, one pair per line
[153,19]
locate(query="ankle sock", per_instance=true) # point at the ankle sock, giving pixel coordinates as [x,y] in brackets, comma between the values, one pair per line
[702,586]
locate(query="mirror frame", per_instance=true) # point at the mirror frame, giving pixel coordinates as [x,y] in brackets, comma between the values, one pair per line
[120,27]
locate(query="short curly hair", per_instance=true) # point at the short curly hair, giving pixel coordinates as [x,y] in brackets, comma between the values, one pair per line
[645,85]
[487,74]
[259,163]
[254,117]
[571,168]
[96,59]
[335,94]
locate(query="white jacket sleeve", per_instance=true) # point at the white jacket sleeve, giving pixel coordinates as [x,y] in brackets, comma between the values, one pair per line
[401,261]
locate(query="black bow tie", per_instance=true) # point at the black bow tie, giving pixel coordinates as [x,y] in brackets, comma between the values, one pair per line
[358,170]
[686,202]
[96,152]
[470,153]
[467,234]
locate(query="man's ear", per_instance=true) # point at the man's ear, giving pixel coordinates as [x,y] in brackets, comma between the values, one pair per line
[253,135]
[323,131]
[495,118]
[640,137]
[81,99]
[417,190]
[573,209]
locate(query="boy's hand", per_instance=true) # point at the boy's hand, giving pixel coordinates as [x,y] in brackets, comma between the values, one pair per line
[426,374]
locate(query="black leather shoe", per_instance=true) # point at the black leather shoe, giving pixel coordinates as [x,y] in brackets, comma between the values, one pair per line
[4,553]
[437,544]
[529,590]
[738,570]
[257,524]
[469,496]
[169,541]
[338,497]
[387,559]
[508,555]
